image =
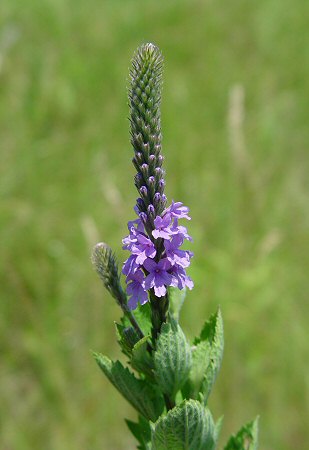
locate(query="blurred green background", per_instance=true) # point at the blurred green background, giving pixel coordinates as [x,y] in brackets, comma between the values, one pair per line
[235,124]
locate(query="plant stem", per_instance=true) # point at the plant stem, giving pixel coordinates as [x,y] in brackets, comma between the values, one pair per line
[159,308]
[132,319]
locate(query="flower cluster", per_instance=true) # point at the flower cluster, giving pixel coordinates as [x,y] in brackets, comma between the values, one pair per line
[156,260]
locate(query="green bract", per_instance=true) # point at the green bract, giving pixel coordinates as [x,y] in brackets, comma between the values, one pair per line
[188,426]
[172,359]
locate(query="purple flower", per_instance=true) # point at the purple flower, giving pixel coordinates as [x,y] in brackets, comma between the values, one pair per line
[162,225]
[180,278]
[135,228]
[180,230]
[174,254]
[130,266]
[143,248]
[136,290]
[170,269]
[158,277]
[128,241]
[177,210]
[137,224]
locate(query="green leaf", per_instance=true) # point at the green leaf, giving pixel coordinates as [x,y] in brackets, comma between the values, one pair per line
[217,430]
[176,299]
[143,397]
[188,426]
[141,431]
[245,439]
[127,338]
[206,359]
[142,315]
[172,359]
[141,359]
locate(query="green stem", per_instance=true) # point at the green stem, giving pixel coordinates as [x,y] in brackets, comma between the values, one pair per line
[159,309]
[132,319]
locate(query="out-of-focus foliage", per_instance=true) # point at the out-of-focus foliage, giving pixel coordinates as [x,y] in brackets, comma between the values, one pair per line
[235,123]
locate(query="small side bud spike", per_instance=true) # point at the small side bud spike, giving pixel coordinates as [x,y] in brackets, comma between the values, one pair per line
[106,266]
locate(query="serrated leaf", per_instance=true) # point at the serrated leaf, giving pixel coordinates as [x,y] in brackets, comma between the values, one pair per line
[245,439]
[217,430]
[188,426]
[211,329]
[141,431]
[206,359]
[141,359]
[176,300]
[172,359]
[143,397]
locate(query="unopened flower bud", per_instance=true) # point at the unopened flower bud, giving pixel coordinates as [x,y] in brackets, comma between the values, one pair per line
[144,192]
[140,204]
[146,149]
[143,217]
[161,186]
[157,198]
[144,169]
[152,185]
[151,211]
[158,171]
[138,180]
[139,157]
[152,163]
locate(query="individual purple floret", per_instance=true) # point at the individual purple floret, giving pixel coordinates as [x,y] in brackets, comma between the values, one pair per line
[143,248]
[158,277]
[174,254]
[136,290]
[177,210]
[162,225]
[180,230]
[130,266]
[180,279]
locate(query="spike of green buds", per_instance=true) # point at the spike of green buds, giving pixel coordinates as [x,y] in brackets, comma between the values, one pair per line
[106,266]
[144,102]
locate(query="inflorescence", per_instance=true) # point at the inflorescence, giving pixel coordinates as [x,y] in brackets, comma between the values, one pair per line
[149,268]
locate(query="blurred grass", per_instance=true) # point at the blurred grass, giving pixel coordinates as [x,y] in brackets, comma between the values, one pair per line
[235,124]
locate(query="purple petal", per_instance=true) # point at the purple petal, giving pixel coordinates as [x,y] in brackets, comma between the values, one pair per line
[142,239]
[166,220]
[150,252]
[158,222]
[132,303]
[189,283]
[160,291]
[150,265]
[163,278]
[141,257]
[149,281]
[164,264]
[130,265]
[161,233]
